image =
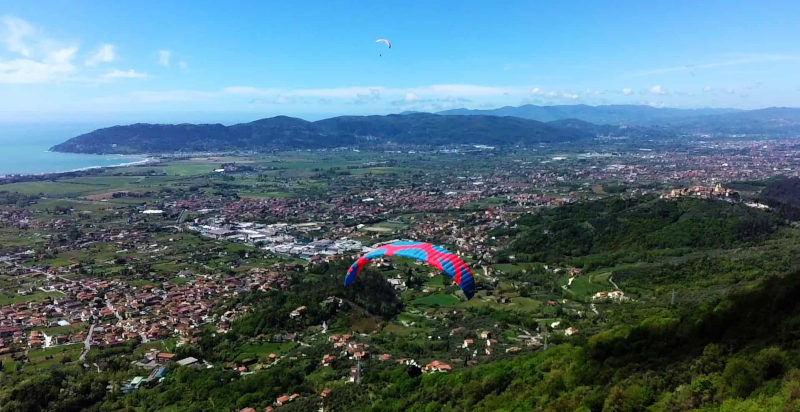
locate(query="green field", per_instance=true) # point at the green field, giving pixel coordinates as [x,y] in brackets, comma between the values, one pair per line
[9,364]
[14,237]
[484,203]
[507,268]
[585,286]
[190,168]
[44,358]
[161,345]
[264,195]
[33,297]
[518,304]
[435,282]
[385,227]
[49,188]
[378,170]
[262,350]
[582,288]
[439,299]
[52,204]
[65,330]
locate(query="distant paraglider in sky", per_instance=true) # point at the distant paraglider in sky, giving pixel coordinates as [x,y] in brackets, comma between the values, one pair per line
[433,255]
[387,42]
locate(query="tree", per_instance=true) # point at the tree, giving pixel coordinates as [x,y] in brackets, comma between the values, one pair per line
[741,376]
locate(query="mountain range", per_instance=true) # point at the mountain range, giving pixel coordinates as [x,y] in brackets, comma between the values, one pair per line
[607,114]
[282,133]
[521,125]
[777,121]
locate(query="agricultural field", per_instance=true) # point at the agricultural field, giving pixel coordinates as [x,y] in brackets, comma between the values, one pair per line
[436,300]
[46,358]
[36,296]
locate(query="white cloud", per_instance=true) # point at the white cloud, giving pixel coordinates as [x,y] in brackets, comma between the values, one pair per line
[15,34]
[163,57]
[536,91]
[428,97]
[417,97]
[61,56]
[429,103]
[52,67]
[657,89]
[124,74]
[182,64]
[539,92]
[104,54]
[707,89]
[28,71]
[627,91]
[38,59]
[441,93]
[373,94]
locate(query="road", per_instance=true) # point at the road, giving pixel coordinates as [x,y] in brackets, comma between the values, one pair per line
[48,340]
[110,306]
[87,343]
[612,282]
[51,291]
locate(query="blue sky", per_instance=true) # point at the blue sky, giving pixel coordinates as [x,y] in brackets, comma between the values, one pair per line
[208,61]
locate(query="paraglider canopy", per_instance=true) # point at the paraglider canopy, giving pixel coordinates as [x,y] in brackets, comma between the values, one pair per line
[388,43]
[436,256]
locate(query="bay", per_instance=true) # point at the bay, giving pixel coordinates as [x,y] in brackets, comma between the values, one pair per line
[24,149]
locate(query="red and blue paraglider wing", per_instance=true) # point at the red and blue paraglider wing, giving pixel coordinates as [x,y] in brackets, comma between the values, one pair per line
[436,256]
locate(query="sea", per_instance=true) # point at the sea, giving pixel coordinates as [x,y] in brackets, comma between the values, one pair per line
[24,149]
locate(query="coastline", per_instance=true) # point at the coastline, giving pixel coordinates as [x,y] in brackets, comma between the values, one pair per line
[125,164]
[142,159]
[16,177]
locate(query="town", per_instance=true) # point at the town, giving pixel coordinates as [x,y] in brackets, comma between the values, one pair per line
[153,259]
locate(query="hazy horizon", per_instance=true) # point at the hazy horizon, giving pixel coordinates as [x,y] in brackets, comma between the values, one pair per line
[244,117]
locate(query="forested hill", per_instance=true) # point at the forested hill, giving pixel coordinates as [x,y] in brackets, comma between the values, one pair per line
[600,231]
[783,191]
[784,196]
[773,121]
[729,342]
[604,114]
[286,133]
